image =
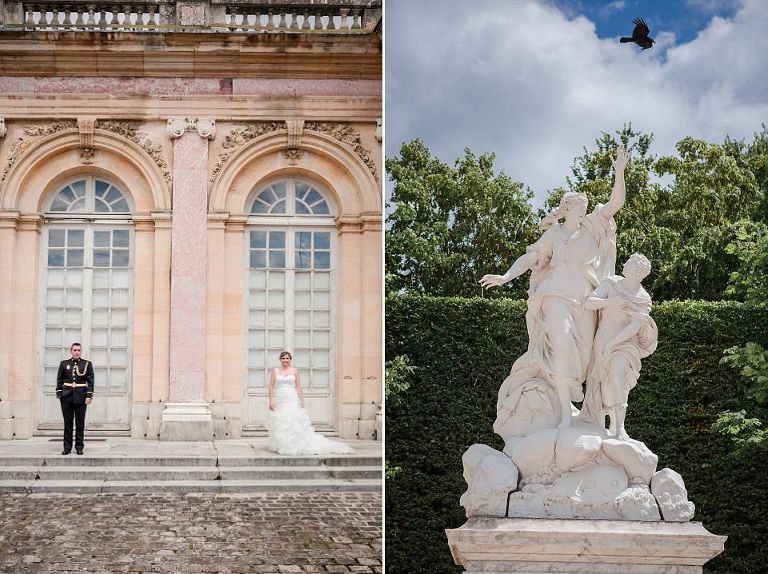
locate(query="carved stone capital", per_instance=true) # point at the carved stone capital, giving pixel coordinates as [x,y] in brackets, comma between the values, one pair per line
[205,127]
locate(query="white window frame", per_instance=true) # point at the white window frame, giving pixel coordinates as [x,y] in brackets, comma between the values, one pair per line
[291,224]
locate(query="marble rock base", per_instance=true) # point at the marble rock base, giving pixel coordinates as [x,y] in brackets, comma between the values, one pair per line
[537,546]
[186,422]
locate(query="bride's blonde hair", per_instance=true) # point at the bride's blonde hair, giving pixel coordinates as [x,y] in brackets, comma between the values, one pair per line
[568,199]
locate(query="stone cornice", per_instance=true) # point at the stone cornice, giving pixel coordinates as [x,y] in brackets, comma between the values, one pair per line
[347,109]
[90,54]
[30,222]
[236,223]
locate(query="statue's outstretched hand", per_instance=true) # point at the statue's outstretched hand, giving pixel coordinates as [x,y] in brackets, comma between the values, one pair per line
[622,158]
[492,280]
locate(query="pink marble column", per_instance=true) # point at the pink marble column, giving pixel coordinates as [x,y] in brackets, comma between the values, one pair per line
[186,416]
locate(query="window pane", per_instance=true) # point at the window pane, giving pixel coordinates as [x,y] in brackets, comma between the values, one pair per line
[55,297]
[277,280]
[73,317]
[74,277]
[120,206]
[303,279]
[119,337]
[101,238]
[322,260]
[321,359]
[99,338]
[301,190]
[320,208]
[301,209]
[257,318]
[259,207]
[101,258]
[322,240]
[277,239]
[257,300]
[303,259]
[275,339]
[75,237]
[301,319]
[278,207]
[302,300]
[119,318]
[113,195]
[121,278]
[101,187]
[313,197]
[322,280]
[257,339]
[322,301]
[320,379]
[279,189]
[258,239]
[59,205]
[321,339]
[277,259]
[56,278]
[74,258]
[258,279]
[74,298]
[256,358]
[267,196]
[101,206]
[120,258]
[55,258]
[258,259]
[100,298]
[79,188]
[276,318]
[54,317]
[118,358]
[67,195]
[78,206]
[303,240]
[100,318]
[302,339]
[56,238]
[276,300]
[101,278]
[120,238]
[321,319]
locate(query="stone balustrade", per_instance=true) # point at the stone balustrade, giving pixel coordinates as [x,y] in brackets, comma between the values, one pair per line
[297,16]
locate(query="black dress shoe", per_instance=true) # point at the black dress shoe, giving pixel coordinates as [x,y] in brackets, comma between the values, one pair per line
[79,451]
[65,451]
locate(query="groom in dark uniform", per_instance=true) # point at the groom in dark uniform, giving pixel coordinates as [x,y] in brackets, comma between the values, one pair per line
[74,388]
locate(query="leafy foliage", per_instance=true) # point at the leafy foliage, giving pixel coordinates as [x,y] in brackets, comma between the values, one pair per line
[463,349]
[451,225]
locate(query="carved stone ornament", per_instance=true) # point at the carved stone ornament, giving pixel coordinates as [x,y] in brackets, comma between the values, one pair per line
[3,129]
[85,127]
[31,133]
[130,131]
[346,134]
[293,151]
[238,137]
[206,127]
[378,134]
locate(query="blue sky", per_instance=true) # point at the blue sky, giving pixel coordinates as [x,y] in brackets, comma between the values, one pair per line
[534,81]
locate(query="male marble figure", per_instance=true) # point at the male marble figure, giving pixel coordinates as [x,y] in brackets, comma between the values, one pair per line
[626,334]
[74,388]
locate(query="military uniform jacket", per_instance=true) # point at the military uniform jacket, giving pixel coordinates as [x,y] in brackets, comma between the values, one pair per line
[74,382]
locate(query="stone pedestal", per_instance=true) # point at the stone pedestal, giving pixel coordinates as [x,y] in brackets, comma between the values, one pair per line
[186,421]
[536,546]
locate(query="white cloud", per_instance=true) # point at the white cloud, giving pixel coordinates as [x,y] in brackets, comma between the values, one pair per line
[609,9]
[524,81]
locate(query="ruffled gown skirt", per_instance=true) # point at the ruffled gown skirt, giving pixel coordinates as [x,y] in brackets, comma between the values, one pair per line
[290,429]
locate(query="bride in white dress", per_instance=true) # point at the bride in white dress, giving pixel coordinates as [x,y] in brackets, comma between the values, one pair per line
[290,430]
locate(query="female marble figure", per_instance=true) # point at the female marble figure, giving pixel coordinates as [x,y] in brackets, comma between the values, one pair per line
[625,334]
[290,430]
[567,263]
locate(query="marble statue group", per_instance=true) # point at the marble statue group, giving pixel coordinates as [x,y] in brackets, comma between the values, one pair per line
[588,331]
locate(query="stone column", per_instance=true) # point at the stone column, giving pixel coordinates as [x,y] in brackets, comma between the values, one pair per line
[186,415]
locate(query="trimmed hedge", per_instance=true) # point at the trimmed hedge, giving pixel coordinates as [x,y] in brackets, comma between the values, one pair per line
[463,349]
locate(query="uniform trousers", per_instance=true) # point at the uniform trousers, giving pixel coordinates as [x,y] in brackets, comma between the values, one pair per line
[73,412]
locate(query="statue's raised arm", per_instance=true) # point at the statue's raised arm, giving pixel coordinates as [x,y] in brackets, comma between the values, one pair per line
[616,201]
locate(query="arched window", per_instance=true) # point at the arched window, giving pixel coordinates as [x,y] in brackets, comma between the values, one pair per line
[88,293]
[290,244]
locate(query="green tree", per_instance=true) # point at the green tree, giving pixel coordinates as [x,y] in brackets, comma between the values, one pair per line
[451,225]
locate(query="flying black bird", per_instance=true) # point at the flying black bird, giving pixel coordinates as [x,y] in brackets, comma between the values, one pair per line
[639,35]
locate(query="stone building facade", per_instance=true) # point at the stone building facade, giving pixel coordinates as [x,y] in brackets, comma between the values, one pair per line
[188,188]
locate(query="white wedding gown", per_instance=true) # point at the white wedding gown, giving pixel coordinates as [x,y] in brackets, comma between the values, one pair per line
[290,430]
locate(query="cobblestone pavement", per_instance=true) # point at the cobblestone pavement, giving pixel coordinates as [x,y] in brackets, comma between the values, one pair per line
[187,534]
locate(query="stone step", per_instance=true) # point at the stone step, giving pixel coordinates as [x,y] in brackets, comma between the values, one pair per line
[199,461]
[163,473]
[189,486]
